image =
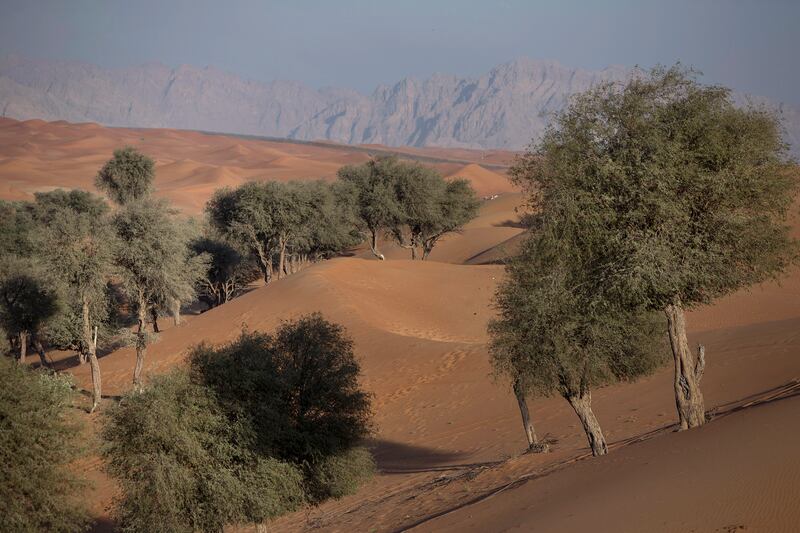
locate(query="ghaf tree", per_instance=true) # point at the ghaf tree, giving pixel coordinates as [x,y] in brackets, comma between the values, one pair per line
[685,194]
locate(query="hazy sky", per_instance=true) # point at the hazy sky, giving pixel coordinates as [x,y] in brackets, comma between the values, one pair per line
[753,46]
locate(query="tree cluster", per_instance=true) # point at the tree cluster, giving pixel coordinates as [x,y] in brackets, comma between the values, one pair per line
[251,430]
[412,204]
[283,226]
[650,197]
[70,263]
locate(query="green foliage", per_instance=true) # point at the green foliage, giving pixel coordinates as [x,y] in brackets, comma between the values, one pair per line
[154,262]
[126,177]
[182,464]
[410,202]
[340,474]
[38,442]
[76,243]
[27,299]
[557,334]
[678,195]
[298,390]
[273,219]
[228,271]
[372,192]
[255,429]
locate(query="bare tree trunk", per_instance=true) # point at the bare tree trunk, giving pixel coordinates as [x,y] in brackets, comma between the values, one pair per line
[141,346]
[154,316]
[90,341]
[582,403]
[23,346]
[688,371]
[373,245]
[176,311]
[413,252]
[527,423]
[265,260]
[426,251]
[39,347]
[282,258]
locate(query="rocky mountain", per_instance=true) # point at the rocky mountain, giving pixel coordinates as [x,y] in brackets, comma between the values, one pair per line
[504,108]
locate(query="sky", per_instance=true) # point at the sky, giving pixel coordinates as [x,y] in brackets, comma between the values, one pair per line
[751,46]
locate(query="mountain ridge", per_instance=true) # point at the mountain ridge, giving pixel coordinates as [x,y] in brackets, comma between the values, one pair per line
[506,107]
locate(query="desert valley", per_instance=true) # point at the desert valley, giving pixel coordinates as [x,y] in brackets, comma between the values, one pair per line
[448,442]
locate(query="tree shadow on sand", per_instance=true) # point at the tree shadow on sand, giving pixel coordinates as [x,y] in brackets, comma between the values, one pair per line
[400,458]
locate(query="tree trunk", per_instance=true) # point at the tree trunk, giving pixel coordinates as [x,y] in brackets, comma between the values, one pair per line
[37,344]
[90,341]
[141,347]
[582,403]
[282,258]
[154,315]
[688,371]
[176,311]
[527,423]
[426,251]
[373,245]
[413,252]
[23,346]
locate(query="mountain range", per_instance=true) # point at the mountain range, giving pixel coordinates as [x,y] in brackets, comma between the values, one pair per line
[505,108]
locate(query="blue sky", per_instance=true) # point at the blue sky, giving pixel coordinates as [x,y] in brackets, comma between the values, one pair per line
[753,46]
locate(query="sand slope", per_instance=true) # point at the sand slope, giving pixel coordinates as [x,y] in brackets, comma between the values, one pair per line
[447,434]
[38,156]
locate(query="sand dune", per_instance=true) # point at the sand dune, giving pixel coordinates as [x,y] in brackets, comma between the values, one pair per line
[35,155]
[447,434]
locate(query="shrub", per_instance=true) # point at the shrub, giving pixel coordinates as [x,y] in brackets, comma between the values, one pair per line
[341,474]
[38,441]
[181,465]
[298,390]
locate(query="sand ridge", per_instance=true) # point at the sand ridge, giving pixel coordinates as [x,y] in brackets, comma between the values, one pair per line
[447,433]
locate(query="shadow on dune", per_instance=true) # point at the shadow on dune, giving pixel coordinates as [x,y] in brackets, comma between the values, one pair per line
[103,525]
[399,458]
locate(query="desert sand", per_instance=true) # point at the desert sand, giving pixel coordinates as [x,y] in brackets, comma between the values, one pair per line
[448,442]
[38,156]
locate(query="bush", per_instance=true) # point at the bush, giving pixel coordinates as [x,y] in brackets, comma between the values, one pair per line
[38,441]
[298,390]
[255,429]
[181,466]
[341,474]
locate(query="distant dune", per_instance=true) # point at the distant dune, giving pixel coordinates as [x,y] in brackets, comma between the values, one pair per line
[36,156]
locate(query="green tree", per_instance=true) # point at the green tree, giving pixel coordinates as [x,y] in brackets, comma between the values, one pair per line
[228,271]
[126,177]
[38,443]
[371,187]
[683,197]
[27,302]
[243,215]
[77,243]
[298,391]
[557,334]
[456,206]
[154,263]
[183,466]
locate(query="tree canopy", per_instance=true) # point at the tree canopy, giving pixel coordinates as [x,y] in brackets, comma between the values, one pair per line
[127,177]
[678,197]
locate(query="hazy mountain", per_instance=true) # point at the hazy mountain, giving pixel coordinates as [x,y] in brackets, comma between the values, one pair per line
[504,108]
